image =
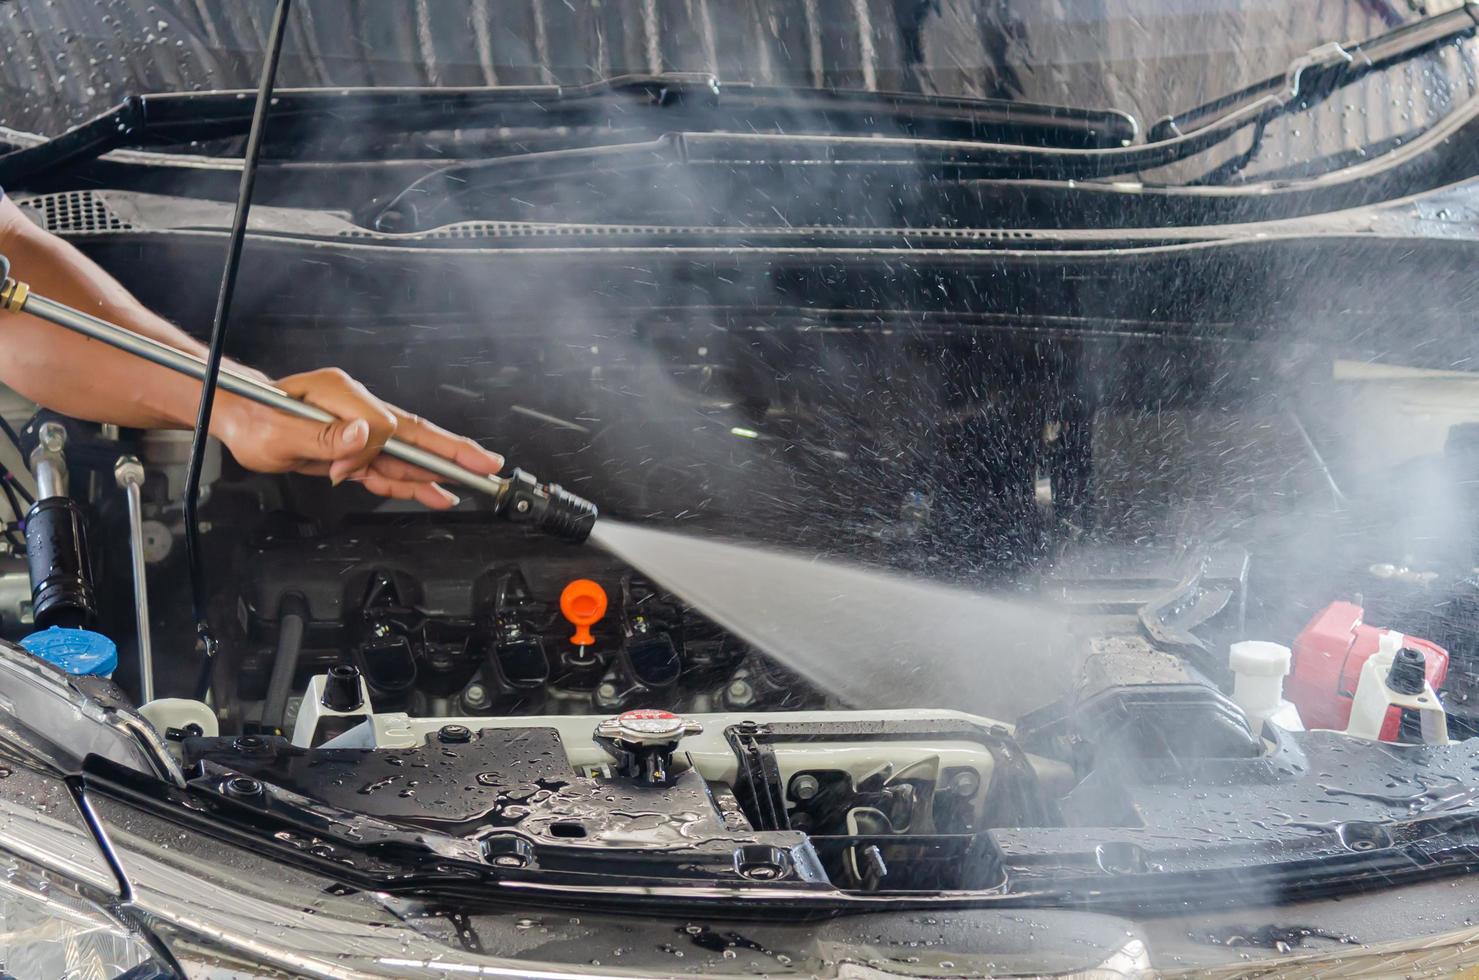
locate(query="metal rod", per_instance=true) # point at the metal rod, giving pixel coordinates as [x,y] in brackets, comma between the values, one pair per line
[130,475]
[218,333]
[1319,458]
[51,479]
[238,384]
[48,466]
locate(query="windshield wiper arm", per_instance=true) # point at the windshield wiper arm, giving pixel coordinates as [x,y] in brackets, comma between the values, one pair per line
[1021,139]
[692,101]
[1318,73]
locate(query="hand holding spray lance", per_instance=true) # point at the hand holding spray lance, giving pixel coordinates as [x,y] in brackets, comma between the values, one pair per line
[518,497]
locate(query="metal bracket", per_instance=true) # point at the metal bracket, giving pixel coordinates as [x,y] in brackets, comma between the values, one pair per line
[309,727]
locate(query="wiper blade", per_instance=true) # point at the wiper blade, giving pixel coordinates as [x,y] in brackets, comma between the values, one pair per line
[1319,73]
[690,101]
[942,117]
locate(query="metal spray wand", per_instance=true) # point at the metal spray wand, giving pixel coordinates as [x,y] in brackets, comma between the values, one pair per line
[519,496]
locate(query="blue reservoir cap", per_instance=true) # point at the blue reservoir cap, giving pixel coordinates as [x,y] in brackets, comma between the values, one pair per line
[75,651]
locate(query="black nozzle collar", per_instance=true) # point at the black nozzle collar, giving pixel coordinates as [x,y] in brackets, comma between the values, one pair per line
[547,507]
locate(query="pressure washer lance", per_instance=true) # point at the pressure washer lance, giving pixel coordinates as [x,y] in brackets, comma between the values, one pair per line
[518,497]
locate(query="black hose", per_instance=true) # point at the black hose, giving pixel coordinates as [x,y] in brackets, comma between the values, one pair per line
[10,488]
[11,434]
[11,484]
[198,595]
[292,620]
[19,488]
[12,532]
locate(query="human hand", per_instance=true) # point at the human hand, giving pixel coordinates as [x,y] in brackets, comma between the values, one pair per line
[269,441]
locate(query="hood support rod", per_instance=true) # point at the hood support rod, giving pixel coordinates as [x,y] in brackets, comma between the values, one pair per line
[198,595]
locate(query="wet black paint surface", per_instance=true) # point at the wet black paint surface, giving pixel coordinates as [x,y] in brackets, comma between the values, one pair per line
[491,781]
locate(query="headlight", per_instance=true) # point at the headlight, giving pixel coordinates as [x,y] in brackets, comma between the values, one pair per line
[49,929]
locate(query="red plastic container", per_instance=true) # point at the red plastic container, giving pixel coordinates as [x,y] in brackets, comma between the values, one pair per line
[1328,655]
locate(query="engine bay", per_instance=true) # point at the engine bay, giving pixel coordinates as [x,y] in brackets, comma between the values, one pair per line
[395,677]
[1002,511]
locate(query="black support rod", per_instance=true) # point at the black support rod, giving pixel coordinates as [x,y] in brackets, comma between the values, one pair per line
[199,598]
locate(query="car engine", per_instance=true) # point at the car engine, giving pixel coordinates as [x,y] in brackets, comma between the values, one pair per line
[453,671]
[465,617]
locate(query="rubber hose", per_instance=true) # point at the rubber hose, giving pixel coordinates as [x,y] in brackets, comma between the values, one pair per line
[292,618]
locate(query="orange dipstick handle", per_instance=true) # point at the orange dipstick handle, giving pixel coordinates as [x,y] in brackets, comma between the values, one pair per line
[583,603]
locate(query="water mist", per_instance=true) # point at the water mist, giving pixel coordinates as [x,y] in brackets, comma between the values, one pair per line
[870,637]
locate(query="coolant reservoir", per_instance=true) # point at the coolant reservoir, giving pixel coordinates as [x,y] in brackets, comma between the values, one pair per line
[1329,656]
[1259,668]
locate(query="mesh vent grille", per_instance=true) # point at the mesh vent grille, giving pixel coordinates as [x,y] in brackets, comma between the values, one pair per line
[512,229]
[75,213]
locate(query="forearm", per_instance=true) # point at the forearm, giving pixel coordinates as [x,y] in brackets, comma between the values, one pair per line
[87,379]
[70,373]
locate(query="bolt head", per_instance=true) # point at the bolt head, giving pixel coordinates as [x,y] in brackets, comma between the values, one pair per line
[966,782]
[52,436]
[242,787]
[805,787]
[476,694]
[454,733]
[128,470]
[522,506]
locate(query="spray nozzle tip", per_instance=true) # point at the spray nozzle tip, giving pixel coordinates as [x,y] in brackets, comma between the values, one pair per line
[548,507]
